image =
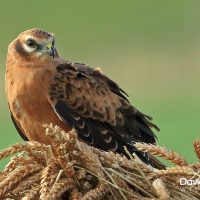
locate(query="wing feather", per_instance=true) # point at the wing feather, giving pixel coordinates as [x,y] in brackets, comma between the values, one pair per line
[98,108]
[18,128]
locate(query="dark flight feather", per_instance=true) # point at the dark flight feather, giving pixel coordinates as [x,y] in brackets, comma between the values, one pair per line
[99,110]
[18,128]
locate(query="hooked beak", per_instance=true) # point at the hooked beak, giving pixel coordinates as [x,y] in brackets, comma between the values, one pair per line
[51,50]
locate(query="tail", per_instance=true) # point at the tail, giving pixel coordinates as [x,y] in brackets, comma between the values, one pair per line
[156,163]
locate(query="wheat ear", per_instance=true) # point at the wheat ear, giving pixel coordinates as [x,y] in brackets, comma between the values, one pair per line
[160,189]
[16,176]
[196,145]
[162,152]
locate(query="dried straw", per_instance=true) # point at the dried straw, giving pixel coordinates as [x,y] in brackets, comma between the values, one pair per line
[72,170]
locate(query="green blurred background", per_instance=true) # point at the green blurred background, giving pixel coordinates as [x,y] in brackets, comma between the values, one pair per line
[151,48]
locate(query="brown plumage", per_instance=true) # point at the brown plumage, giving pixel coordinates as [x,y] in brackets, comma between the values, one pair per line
[42,87]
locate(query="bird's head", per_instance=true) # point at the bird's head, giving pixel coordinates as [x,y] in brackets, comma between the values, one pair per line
[34,45]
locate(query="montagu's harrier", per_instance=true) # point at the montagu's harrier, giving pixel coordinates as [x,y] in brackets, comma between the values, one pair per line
[42,87]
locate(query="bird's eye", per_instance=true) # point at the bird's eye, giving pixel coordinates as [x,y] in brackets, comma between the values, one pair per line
[31,43]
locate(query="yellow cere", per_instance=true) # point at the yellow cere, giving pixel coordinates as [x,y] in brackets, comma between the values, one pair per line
[49,45]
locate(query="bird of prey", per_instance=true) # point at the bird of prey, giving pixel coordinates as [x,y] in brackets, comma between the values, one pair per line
[42,87]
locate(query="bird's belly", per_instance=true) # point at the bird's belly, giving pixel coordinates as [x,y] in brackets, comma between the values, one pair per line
[33,115]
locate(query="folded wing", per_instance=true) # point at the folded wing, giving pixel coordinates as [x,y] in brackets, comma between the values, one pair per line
[98,109]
